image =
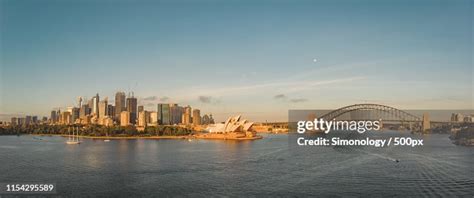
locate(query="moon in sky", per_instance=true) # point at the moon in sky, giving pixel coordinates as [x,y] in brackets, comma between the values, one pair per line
[315,60]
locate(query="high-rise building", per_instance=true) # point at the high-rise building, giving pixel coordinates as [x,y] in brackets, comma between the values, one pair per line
[176,113]
[153,118]
[187,115]
[141,108]
[142,119]
[159,109]
[53,117]
[90,103]
[79,101]
[65,118]
[14,121]
[119,104]
[103,108]
[211,119]
[34,119]
[124,118]
[28,120]
[21,121]
[205,119]
[75,114]
[95,104]
[110,110]
[132,108]
[196,117]
[164,114]
[84,111]
[457,117]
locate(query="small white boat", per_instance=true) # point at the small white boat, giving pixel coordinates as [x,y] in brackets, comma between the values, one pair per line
[107,140]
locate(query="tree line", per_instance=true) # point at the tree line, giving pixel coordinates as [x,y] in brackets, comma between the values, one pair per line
[95,130]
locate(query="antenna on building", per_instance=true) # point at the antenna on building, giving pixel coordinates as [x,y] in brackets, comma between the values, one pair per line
[80,101]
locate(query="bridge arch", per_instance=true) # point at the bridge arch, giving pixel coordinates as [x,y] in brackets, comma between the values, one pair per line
[396,113]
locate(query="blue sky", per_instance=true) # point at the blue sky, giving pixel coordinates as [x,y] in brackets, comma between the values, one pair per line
[229,57]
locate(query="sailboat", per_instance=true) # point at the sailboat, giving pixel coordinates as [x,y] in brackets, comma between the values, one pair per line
[74,139]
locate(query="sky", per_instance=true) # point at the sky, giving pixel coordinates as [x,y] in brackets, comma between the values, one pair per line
[255,58]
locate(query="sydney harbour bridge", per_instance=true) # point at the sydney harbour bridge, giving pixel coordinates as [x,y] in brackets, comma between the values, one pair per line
[389,116]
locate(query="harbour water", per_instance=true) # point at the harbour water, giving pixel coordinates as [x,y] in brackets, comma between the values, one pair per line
[266,167]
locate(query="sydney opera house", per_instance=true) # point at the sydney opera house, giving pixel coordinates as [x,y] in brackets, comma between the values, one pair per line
[234,127]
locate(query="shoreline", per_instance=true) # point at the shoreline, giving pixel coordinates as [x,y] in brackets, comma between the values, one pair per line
[157,137]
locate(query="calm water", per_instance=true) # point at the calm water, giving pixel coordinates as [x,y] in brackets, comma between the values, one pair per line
[268,167]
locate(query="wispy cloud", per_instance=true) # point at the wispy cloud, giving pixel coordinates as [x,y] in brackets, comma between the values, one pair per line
[289,87]
[283,97]
[208,100]
[280,96]
[164,99]
[150,98]
[298,100]
[205,99]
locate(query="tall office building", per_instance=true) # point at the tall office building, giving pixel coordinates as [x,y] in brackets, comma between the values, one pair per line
[164,114]
[34,119]
[53,117]
[103,108]
[28,120]
[153,118]
[211,119]
[196,117]
[119,104]
[132,108]
[176,113]
[124,118]
[205,119]
[159,110]
[75,113]
[142,118]
[84,111]
[14,121]
[79,101]
[90,103]
[187,115]
[95,104]
[65,117]
[110,110]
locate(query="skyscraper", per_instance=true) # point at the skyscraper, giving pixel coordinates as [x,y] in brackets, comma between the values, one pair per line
[176,113]
[124,118]
[142,118]
[196,117]
[74,114]
[205,119]
[153,118]
[119,104]
[164,114]
[84,111]
[141,108]
[53,117]
[110,110]
[187,115]
[95,104]
[132,108]
[103,108]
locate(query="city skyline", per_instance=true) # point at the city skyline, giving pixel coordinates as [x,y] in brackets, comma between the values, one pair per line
[279,56]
